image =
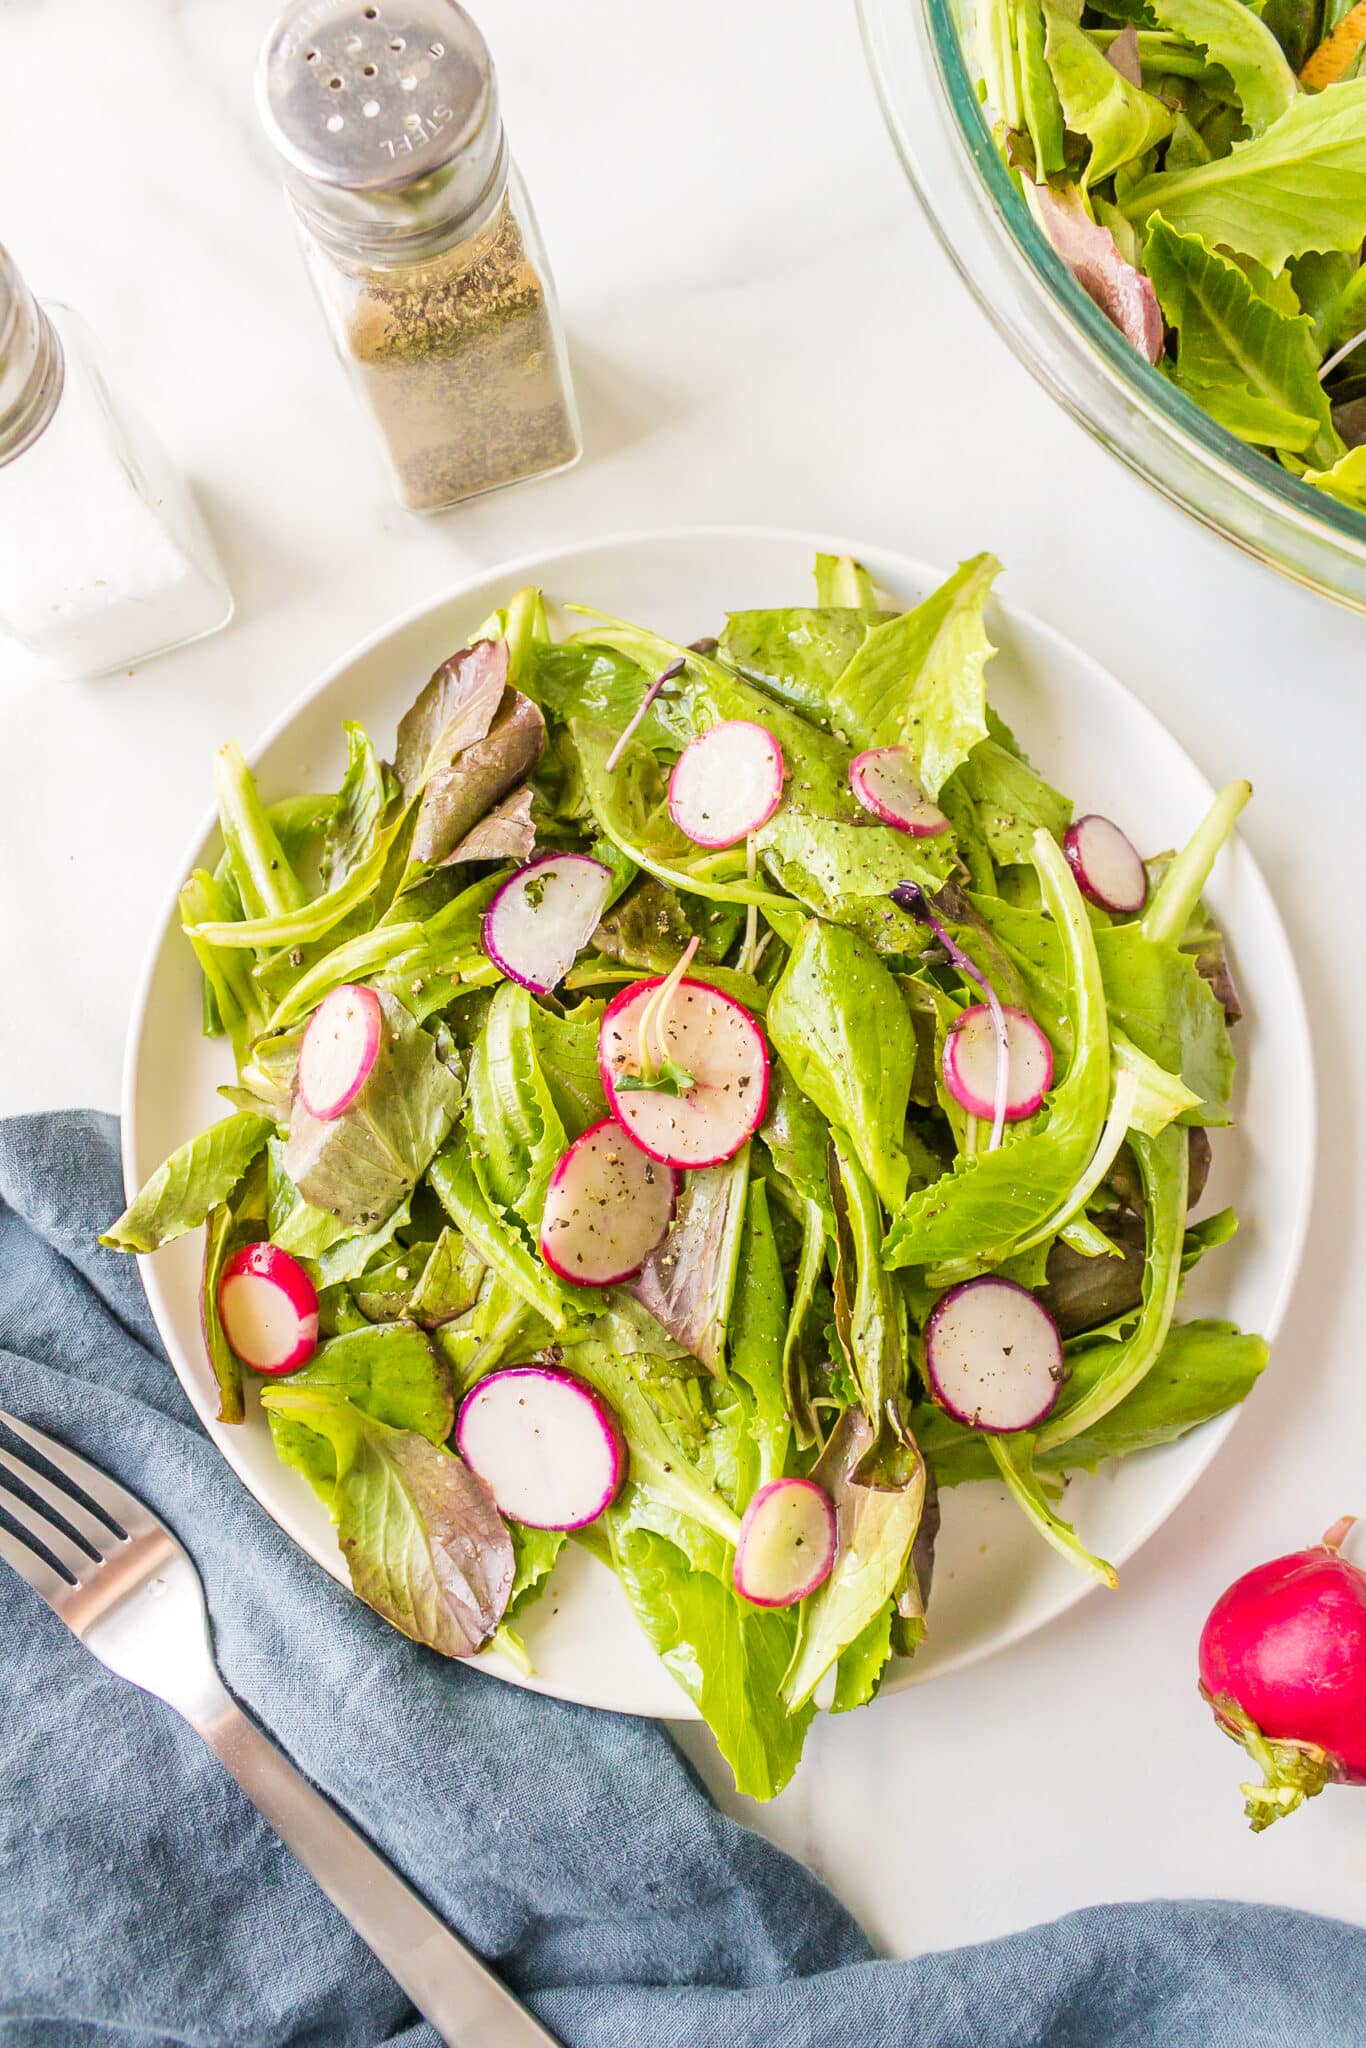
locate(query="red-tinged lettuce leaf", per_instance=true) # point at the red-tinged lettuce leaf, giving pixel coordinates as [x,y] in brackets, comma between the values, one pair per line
[507,833]
[455,709]
[458,796]
[687,1283]
[357,1167]
[467,741]
[1124,294]
[425,1546]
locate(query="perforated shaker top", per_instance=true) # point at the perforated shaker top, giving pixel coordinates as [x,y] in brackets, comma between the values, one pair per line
[369,96]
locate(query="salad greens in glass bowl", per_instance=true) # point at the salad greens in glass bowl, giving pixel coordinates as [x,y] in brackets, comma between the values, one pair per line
[1162,206]
[696,1103]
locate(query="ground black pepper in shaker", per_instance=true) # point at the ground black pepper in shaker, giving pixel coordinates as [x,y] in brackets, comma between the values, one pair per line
[420,241]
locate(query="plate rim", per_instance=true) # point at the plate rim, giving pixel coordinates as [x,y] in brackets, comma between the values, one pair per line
[1214,1433]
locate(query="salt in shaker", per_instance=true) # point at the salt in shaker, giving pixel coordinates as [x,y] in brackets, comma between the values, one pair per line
[420,241]
[104,559]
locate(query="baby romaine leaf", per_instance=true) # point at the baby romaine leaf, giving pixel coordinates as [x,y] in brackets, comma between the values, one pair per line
[361,802]
[499,1244]
[358,1166]
[1204,1369]
[516,1135]
[659,1465]
[392,1372]
[870,1313]
[1232,36]
[1164,1163]
[758,1328]
[567,1047]
[984,1208]
[796,654]
[219,1239]
[728,1656]
[1299,185]
[425,1546]
[1235,347]
[1040,106]
[200,1176]
[877,1529]
[918,680]
[837,1020]
[1011,800]
[265,881]
[1119,119]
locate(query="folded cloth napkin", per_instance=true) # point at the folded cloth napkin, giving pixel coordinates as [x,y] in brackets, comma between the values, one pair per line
[144,1901]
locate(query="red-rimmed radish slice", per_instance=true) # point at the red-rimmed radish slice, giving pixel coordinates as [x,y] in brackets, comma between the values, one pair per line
[338,1050]
[726,783]
[548,1448]
[543,916]
[993,1355]
[885,782]
[786,1545]
[969,1063]
[268,1307]
[607,1207]
[711,1037]
[1106,864]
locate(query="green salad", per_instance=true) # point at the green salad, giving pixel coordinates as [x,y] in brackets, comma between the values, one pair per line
[697,1103]
[1200,166]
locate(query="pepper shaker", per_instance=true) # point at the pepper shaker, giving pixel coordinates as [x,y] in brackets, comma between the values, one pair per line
[104,559]
[420,241]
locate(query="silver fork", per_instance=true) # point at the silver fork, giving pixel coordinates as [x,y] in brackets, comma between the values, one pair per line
[127,1589]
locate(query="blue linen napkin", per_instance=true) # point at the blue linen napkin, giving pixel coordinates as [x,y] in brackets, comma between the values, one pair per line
[142,1899]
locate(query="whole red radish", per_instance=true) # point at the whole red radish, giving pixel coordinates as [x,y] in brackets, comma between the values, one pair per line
[1283,1665]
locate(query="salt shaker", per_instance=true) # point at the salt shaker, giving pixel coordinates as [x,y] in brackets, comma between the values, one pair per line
[104,559]
[421,242]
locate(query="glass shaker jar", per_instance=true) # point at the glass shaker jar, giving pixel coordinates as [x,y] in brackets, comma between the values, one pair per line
[420,241]
[104,559]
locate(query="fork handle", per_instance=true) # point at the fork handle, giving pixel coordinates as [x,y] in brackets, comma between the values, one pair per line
[447,1983]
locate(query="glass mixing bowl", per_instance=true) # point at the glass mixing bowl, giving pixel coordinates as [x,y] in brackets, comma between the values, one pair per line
[991,237]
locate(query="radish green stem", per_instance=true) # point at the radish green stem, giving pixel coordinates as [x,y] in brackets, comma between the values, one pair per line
[675,668]
[654,1017]
[1170,910]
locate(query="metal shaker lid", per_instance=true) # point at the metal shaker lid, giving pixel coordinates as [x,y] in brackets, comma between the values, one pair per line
[31,366]
[385,113]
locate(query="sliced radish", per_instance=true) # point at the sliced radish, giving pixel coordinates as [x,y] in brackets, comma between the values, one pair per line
[268,1307]
[993,1355]
[548,1448]
[607,1207]
[1106,864]
[543,916]
[706,1036]
[786,1545]
[726,783]
[885,782]
[339,1048]
[969,1062]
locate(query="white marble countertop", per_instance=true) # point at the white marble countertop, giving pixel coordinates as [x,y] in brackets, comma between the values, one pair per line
[764,331]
